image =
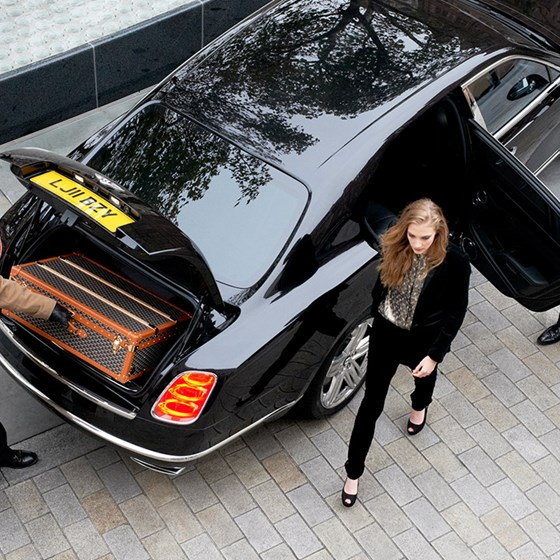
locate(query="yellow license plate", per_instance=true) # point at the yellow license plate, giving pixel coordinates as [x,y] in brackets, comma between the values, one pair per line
[85,200]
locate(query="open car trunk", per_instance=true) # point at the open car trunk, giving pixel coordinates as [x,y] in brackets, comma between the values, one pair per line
[132,280]
[117,327]
[125,320]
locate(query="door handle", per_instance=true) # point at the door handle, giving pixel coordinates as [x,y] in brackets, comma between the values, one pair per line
[470,248]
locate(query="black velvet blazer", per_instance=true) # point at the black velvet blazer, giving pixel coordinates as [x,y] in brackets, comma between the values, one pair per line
[442,303]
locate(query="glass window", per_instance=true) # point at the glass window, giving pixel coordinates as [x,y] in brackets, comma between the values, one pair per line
[238,210]
[503,92]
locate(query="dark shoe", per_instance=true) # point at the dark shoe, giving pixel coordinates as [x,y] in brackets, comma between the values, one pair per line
[348,500]
[550,335]
[19,459]
[413,429]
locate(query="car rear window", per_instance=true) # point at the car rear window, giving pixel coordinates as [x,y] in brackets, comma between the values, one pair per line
[237,209]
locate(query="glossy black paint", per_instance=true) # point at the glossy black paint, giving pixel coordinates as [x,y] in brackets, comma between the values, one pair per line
[281,86]
[539,19]
[150,234]
[340,95]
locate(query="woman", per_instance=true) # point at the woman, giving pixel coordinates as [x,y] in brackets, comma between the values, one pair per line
[419,303]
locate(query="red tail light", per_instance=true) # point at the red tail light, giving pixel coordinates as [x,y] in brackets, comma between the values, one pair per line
[183,400]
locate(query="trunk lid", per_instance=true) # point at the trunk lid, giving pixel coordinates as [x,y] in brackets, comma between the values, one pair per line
[80,192]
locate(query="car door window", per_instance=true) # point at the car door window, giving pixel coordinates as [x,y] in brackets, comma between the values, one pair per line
[502,93]
[518,101]
[535,141]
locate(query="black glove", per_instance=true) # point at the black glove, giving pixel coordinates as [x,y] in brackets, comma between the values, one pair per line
[60,315]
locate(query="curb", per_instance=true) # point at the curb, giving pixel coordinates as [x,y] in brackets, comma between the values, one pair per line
[87,77]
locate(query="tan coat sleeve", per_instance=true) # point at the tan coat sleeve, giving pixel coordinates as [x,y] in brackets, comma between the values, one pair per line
[15,297]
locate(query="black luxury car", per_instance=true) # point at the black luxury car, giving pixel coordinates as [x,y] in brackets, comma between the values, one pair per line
[250,188]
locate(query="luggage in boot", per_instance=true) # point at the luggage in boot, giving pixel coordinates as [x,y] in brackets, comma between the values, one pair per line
[117,327]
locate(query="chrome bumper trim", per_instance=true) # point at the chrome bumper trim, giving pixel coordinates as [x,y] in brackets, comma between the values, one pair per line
[53,373]
[170,470]
[147,454]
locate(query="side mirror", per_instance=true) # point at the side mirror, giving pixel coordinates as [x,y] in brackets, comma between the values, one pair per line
[526,86]
[377,220]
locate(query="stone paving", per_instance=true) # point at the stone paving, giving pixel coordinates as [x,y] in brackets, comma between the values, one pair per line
[482,481]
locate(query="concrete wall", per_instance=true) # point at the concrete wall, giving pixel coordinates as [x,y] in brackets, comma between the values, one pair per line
[87,77]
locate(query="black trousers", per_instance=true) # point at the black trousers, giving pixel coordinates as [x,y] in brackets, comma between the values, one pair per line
[389,347]
[4,449]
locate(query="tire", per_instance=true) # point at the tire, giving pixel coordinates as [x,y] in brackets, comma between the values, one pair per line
[342,374]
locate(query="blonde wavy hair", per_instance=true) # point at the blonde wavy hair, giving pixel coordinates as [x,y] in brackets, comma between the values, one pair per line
[397,253]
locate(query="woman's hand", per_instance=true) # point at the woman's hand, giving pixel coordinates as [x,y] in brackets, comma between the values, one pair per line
[424,368]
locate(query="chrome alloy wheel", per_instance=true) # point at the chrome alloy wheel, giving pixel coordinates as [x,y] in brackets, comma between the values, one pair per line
[347,369]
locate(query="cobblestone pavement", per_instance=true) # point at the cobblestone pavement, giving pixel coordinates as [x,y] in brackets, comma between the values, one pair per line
[482,481]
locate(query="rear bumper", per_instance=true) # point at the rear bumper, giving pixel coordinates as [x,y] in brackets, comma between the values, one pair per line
[163,462]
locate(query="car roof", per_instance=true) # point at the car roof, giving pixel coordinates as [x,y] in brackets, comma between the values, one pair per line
[300,81]
[543,16]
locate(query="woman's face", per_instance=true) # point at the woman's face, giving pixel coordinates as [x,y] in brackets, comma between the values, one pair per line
[420,237]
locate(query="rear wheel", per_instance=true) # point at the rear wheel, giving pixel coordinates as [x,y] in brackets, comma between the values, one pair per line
[342,374]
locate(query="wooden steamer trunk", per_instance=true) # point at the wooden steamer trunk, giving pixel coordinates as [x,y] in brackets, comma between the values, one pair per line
[117,327]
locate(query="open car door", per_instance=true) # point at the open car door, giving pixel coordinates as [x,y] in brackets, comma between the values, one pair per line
[511,228]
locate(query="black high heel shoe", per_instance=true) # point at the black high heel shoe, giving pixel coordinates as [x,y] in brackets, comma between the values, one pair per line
[413,429]
[348,500]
